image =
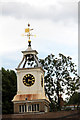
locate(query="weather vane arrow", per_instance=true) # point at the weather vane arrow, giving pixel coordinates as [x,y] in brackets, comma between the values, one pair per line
[28,30]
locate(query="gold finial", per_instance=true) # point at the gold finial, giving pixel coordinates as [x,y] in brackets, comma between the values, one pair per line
[28,30]
[28,25]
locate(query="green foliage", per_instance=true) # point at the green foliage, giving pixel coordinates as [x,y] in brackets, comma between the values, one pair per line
[60,77]
[8,90]
[67,109]
[74,99]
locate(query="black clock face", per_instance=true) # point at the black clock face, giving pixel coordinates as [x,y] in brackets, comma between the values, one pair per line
[42,81]
[28,80]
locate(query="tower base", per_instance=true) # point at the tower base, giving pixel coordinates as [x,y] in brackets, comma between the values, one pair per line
[41,105]
[29,104]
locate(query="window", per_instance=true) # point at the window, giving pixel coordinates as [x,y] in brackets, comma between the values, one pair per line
[25,108]
[29,108]
[22,108]
[19,108]
[34,107]
[37,107]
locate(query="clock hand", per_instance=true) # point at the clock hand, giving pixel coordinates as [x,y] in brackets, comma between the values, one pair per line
[29,80]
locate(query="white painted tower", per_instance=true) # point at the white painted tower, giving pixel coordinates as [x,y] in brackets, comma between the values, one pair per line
[30,95]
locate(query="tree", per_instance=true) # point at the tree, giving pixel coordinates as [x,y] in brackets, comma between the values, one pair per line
[60,77]
[8,90]
[75,99]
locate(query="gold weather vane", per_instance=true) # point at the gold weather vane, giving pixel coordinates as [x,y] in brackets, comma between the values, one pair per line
[28,30]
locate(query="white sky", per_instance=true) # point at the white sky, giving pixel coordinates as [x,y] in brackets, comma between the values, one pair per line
[55,24]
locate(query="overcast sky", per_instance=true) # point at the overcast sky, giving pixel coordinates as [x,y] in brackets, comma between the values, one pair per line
[55,23]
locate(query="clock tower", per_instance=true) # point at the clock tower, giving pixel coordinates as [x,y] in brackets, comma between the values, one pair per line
[30,95]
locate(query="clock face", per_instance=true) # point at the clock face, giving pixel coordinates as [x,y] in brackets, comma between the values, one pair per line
[28,80]
[42,81]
